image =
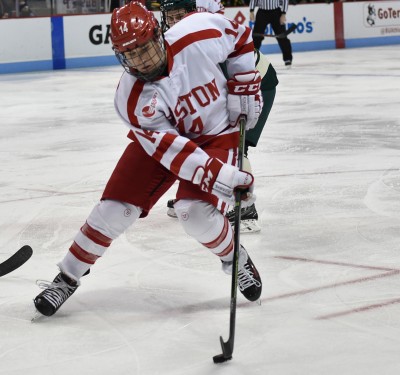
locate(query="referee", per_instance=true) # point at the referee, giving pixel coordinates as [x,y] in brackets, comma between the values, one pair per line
[271,12]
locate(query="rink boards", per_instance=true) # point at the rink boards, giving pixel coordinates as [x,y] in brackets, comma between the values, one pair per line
[63,42]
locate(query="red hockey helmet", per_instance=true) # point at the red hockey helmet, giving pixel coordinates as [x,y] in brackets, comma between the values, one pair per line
[137,41]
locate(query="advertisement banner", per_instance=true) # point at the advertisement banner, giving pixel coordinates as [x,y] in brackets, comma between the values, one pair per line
[314,21]
[315,26]
[87,35]
[34,45]
[78,6]
[371,19]
[84,40]
[87,41]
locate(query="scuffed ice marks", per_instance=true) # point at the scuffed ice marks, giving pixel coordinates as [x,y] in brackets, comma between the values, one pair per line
[392,180]
[383,195]
[380,230]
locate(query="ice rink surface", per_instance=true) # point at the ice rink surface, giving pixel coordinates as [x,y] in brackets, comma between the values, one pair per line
[327,174]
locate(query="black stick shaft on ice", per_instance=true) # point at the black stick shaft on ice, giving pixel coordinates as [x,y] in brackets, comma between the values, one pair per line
[227,347]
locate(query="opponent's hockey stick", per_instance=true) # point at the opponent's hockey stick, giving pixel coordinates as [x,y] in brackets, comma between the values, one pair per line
[227,347]
[292,28]
[15,261]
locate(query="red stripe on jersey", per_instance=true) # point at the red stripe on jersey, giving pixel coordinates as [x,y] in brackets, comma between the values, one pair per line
[185,41]
[243,39]
[235,156]
[227,250]
[133,100]
[224,207]
[247,48]
[170,57]
[83,255]
[243,44]
[96,236]
[131,135]
[179,159]
[224,141]
[220,238]
[163,146]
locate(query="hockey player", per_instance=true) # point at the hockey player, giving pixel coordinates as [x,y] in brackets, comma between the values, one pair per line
[182,114]
[172,11]
[212,6]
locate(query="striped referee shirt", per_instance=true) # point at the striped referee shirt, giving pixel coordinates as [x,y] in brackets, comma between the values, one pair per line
[269,4]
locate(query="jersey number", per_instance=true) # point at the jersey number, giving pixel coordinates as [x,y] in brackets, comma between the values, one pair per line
[197,126]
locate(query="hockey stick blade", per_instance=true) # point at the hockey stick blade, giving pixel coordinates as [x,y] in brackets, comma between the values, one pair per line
[292,28]
[16,260]
[226,352]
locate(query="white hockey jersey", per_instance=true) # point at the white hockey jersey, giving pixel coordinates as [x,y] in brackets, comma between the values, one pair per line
[173,115]
[213,6]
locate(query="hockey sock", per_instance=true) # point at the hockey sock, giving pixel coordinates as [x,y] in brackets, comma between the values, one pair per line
[207,225]
[105,223]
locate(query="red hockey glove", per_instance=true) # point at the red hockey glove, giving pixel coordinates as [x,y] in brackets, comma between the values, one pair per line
[244,98]
[223,180]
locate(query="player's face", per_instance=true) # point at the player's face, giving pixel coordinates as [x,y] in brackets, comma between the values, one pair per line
[145,58]
[174,16]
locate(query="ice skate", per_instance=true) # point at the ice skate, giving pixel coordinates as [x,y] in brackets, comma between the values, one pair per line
[171,211]
[248,219]
[249,280]
[54,294]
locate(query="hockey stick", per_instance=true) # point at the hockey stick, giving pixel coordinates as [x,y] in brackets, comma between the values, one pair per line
[15,261]
[292,28]
[227,347]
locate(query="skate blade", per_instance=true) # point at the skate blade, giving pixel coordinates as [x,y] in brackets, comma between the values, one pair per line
[37,316]
[171,213]
[249,226]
